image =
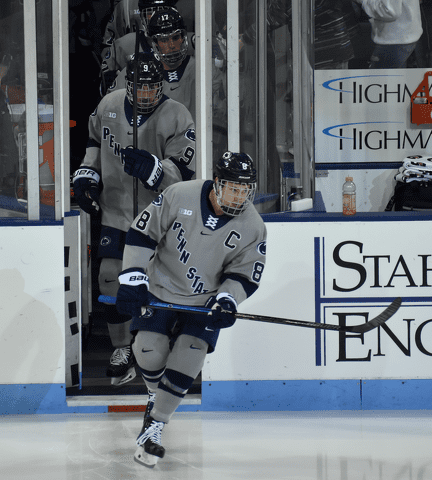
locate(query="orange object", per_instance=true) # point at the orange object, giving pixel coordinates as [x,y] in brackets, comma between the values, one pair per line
[421,103]
[47,193]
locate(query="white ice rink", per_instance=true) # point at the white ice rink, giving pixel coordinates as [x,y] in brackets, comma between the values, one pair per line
[222,446]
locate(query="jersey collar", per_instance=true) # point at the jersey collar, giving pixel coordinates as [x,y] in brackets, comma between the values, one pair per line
[141,119]
[172,76]
[209,218]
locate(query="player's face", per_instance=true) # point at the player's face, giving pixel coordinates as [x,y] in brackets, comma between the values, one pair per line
[234,194]
[170,43]
[146,96]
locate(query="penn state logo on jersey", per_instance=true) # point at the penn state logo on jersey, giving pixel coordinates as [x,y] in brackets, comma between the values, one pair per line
[105,241]
[157,202]
[262,248]
[190,134]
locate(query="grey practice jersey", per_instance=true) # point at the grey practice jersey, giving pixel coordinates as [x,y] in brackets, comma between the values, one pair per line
[167,133]
[122,21]
[121,51]
[189,253]
[179,84]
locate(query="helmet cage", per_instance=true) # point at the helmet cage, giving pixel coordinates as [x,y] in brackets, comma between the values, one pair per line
[148,95]
[172,59]
[146,13]
[233,197]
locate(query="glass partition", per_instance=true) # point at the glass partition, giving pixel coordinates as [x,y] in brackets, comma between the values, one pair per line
[252,92]
[27,173]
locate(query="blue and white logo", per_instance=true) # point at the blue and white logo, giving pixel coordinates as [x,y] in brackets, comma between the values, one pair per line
[261,248]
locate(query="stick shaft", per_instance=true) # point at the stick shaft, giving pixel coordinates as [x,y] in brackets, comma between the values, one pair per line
[362,328]
[135,119]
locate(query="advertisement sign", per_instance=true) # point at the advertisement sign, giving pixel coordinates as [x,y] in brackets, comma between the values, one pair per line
[359,275]
[365,116]
[340,273]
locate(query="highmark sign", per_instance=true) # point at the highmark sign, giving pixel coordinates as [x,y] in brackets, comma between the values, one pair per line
[366,114]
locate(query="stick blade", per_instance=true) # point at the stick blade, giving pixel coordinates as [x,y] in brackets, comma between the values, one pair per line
[380,319]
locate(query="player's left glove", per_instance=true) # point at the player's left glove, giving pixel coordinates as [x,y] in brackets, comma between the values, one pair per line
[143,165]
[133,291]
[223,308]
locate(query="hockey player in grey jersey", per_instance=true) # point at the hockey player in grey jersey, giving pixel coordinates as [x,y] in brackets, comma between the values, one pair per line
[167,32]
[199,243]
[120,49]
[164,155]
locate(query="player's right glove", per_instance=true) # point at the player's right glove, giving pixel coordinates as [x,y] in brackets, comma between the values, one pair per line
[223,308]
[133,291]
[86,189]
[143,165]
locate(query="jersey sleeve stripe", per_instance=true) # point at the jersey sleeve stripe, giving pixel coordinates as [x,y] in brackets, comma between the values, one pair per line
[248,286]
[185,172]
[92,143]
[137,239]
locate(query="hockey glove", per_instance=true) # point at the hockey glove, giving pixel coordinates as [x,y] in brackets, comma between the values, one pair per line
[143,165]
[223,308]
[133,291]
[86,189]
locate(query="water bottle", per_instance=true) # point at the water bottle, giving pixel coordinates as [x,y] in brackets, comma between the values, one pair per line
[349,197]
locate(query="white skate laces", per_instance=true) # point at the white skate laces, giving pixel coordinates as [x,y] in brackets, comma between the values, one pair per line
[153,432]
[120,356]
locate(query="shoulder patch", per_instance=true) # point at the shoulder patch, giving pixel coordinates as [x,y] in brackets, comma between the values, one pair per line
[190,134]
[157,202]
[261,248]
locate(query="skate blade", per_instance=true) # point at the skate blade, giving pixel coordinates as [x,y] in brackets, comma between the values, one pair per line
[144,458]
[119,381]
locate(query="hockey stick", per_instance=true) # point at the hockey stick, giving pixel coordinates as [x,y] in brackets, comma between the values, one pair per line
[362,328]
[135,118]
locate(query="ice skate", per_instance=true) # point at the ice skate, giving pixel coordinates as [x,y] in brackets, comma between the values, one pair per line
[122,366]
[149,449]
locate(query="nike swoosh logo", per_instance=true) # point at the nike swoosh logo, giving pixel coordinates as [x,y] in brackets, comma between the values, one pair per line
[194,348]
[208,329]
[109,281]
[204,233]
[146,351]
[175,88]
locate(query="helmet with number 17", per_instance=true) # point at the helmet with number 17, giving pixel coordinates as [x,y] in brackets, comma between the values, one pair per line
[149,82]
[167,31]
[148,7]
[235,182]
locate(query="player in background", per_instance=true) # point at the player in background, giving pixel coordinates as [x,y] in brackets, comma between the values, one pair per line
[115,58]
[122,22]
[199,243]
[167,32]
[126,12]
[164,155]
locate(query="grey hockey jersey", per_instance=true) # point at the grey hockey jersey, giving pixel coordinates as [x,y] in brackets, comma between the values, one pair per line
[167,133]
[189,253]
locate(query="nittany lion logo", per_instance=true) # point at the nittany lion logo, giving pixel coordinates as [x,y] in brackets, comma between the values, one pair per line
[157,202]
[190,134]
[105,241]
[261,248]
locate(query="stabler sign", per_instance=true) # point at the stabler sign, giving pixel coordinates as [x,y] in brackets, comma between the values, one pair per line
[421,103]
